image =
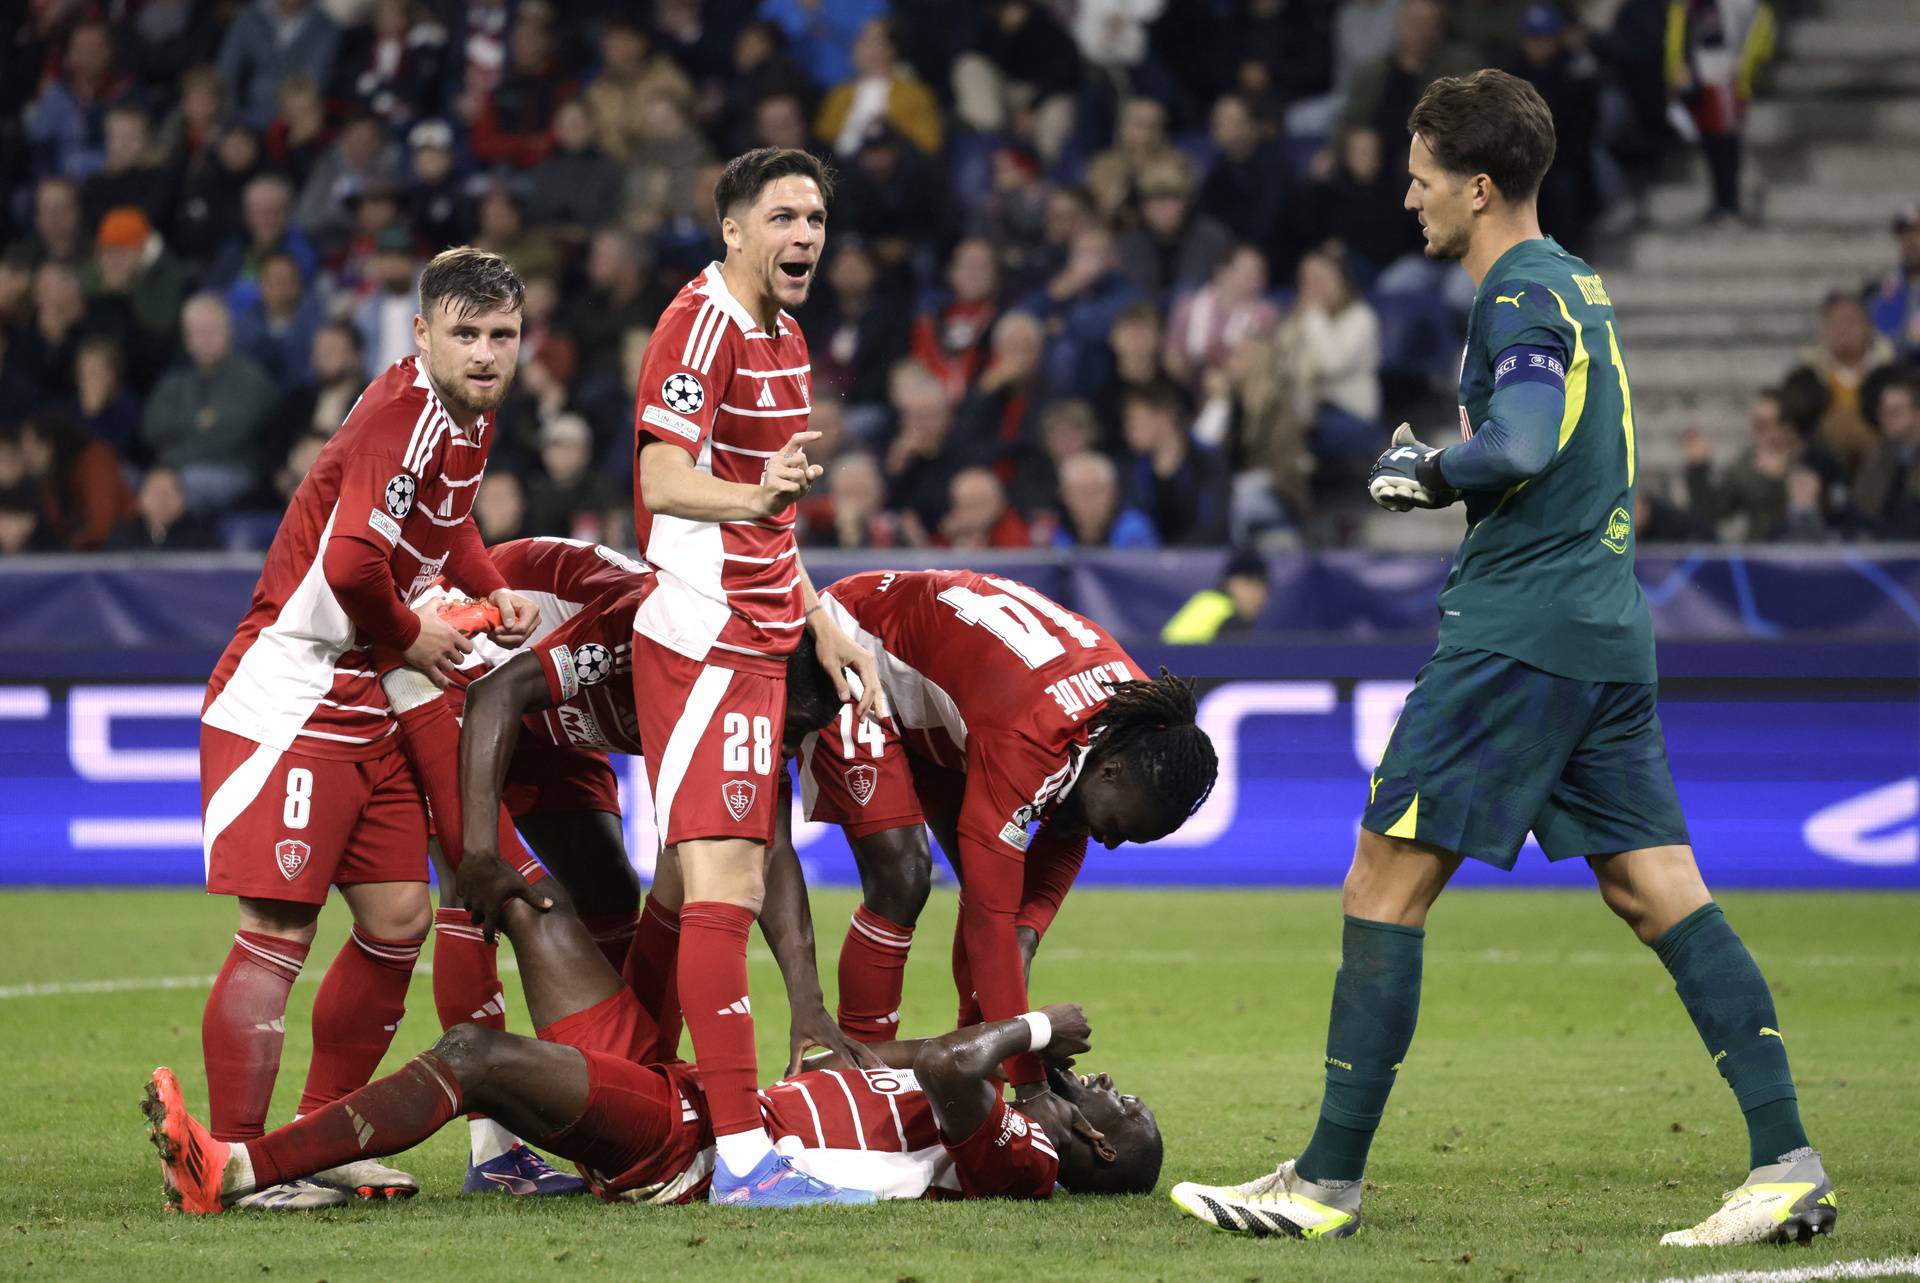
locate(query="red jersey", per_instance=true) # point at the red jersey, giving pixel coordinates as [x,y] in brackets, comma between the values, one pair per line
[392,492]
[728,393]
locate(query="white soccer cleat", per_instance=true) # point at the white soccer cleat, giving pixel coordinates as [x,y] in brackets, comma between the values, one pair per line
[369,1178]
[292,1196]
[1790,1201]
[1277,1204]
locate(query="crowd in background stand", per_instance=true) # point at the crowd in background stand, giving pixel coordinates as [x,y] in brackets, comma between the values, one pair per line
[1100,273]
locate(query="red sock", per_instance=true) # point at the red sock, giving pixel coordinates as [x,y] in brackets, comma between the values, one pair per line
[873,970]
[430,737]
[651,966]
[963,981]
[466,974]
[242,1029]
[358,1008]
[385,1117]
[713,998]
[614,933]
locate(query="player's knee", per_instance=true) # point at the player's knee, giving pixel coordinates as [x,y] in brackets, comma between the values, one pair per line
[468,1051]
[898,893]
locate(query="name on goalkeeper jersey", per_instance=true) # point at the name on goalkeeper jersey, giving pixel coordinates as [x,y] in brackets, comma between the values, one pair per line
[1080,692]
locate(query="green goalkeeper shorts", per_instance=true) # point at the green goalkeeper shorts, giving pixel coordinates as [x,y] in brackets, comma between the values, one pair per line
[1488,749]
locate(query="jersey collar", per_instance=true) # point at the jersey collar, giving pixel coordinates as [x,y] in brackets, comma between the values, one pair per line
[715,288]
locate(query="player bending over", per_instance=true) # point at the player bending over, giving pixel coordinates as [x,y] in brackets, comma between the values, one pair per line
[1537,712]
[1019,730]
[932,1124]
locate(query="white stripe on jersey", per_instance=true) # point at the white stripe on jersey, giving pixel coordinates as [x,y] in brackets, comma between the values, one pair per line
[419,424]
[819,1134]
[859,1129]
[768,414]
[772,374]
[449,482]
[777,591]
[758,561]
[701,320]
[711,345]
[353,708]
[233,796]
[703,701]
[350,739]
[737,449]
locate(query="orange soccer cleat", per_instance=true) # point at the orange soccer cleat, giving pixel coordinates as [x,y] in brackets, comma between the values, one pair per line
[470,616]
[191,1160]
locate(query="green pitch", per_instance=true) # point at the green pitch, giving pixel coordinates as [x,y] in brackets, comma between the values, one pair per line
[1557,1112]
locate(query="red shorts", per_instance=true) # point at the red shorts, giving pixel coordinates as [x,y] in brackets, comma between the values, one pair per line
[858,775]
[718,732]
[285,826]
[1007,1157]
[643,1135]
[544,778]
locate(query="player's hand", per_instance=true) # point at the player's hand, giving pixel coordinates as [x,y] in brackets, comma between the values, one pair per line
[1407,476]
[518,618]
[438,649]
[838,653]
[1059,1116]
[815,1028]
[485,884]
[788,475]
[1072,1034]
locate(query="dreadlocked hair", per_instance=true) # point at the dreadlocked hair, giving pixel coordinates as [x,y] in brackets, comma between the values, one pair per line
[1150,726]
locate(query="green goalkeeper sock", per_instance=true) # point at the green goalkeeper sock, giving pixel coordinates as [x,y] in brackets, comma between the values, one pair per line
[1376,1000]
[1728,999]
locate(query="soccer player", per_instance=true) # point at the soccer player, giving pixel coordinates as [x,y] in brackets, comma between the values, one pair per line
[1537,710]
[931,1124]
[303,785]
[721,444]
[1019,730]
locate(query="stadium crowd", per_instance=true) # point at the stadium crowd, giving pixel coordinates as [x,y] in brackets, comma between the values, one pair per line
[1115,273]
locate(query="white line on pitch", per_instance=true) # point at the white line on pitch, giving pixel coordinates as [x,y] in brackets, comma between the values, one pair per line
[1888,1267]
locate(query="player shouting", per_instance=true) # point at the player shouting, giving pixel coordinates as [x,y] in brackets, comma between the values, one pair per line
[933,1124]
[1537,710]
[302,782]
[1019,729]
[720,436]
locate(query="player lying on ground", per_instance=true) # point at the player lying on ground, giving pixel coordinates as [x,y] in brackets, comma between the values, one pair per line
[1018,730]
[1537,712]
[932,1124]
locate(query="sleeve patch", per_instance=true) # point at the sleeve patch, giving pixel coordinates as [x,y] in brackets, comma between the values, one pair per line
[679,425]
[683,393]
[562,660]
[1526,364]
[384,524]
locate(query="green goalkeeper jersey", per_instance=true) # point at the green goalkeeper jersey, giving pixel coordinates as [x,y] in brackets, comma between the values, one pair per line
[1545,573]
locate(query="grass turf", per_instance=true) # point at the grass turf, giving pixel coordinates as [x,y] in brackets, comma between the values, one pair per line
[1557,1112]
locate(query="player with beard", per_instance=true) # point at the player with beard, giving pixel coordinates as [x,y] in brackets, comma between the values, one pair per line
[303,784]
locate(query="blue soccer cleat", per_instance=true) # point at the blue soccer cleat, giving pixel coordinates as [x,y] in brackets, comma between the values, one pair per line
[521,1173]
[776,1182]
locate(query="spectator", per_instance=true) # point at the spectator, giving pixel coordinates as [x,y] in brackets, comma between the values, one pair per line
[761,71]
[1806,512]
[298,136]
[212,197]
[204,418]
[1181,486]
[1657,519]
[268,41]
[1078,307]
[894,196]
[1174,247]
[1252,411]
[1353,201]
[780,120]
[500,507]
[1233,608]
[950,333]
[384,317]
[821,33]
[1139,142]
[1245,189]
[1112,34]
[1090,507]
[131,265]
[376,213]
[337,377]
[129,174]
[1748,499]
[1012,217]
[1715,48]
[1001,415]
[1206,325]
[396,65]
[1022,75]
[863,332]
[22,524]
[882,88]
[45,348]
[482,39]
[1568,79]
[618,298]
[190,132]
[631,74]
[857,516]
[1846,355]
[1362,34]
[300,460]
[1135,342]
[978,515]
[64,125]
[663,180]
[437,205]
[164,41]
[1896,304]
[548,357]
[83,495]
[266,211]
[361,159]
[513,127]
[104,409]
[576,188]
[162,521]
[276,326]
[59,229]
[1329,347]
[1886,490]
[1384,91]
[568,496]
[925,451]
[503,230]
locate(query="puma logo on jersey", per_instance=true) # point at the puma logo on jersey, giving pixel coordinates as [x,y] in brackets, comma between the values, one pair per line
[766,395]
[738,1007]
[1775,1033]
[1510,298]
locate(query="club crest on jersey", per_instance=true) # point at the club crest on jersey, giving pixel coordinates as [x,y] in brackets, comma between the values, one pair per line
[738,795]
[861,781]
[291,855]
[592,662]
[399,495]
[683,393]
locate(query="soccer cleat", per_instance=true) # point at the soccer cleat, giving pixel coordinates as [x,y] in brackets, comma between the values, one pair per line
[776,1182]
[368,1178]
[1790,1201]
[522,1173]
[1279,1203]
[192,1162]
[291,1196]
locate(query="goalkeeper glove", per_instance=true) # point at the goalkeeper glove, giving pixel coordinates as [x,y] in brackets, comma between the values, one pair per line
[1408,476]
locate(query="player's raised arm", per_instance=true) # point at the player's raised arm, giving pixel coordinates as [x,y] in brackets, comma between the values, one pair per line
[839,653]
[956,1070]
[786,922]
